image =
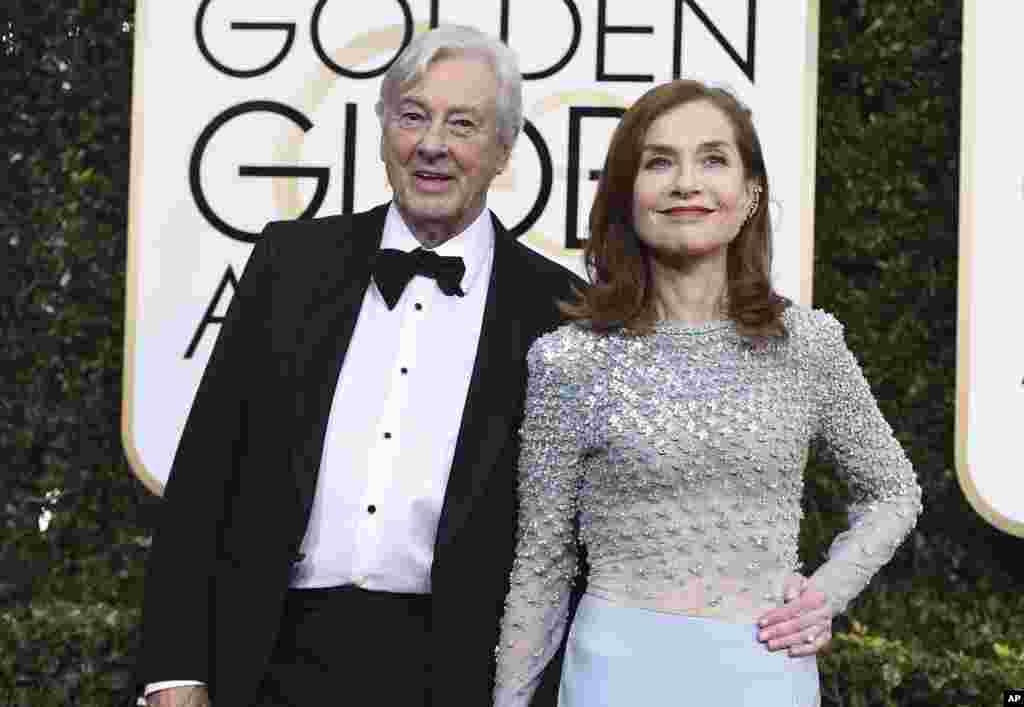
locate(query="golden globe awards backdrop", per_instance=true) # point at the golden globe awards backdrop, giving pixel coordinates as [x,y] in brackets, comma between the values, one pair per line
[246,111]
[990,362]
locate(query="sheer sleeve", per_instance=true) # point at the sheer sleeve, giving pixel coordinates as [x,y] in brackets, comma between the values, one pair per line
[886,497]
[545,563]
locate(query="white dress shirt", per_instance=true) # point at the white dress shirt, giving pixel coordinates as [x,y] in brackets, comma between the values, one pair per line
[394,423]
[393,426]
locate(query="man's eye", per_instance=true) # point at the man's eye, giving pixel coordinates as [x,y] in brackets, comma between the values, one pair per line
[410,118]
[462,125]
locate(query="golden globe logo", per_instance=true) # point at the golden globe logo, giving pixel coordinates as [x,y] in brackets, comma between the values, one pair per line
[250,112]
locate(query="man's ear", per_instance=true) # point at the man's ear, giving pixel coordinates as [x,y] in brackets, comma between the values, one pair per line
[504,156]
[383,160]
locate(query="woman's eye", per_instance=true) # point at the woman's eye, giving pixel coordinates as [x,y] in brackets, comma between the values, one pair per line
[656,163]
[716,160]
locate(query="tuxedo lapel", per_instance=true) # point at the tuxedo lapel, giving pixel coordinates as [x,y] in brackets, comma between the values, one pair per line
[330,317]
[494,394]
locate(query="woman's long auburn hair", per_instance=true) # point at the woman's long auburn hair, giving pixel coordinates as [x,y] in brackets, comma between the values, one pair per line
[620,294]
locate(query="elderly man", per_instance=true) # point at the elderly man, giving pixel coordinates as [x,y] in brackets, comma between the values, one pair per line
[338,524]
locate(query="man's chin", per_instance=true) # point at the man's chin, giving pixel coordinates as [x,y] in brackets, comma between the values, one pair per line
[434,202]
[419,212]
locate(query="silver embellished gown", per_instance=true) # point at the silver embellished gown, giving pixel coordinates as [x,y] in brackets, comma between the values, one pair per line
[683,452]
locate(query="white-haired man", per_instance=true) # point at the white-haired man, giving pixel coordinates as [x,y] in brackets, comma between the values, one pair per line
[338,525]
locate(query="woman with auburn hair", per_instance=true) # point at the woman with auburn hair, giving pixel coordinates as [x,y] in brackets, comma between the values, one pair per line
[673,418]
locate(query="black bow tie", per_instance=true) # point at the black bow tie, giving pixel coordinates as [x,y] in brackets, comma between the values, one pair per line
[392,270]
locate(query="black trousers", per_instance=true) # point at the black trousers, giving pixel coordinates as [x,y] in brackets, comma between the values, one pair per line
[349,646]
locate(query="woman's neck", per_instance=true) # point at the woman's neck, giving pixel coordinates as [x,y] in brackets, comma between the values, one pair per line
[690,290]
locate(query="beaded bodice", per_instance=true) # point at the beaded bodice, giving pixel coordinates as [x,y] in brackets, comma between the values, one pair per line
[682,453]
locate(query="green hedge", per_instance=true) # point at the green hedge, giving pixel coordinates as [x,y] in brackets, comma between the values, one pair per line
[941,626]
[919,645]
[56,653]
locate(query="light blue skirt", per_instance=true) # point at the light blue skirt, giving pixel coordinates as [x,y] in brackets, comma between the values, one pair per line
[620,656]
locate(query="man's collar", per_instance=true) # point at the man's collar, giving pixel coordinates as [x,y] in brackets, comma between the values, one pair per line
[473,245]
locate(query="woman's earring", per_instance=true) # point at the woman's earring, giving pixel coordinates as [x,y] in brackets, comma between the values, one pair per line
[754,204]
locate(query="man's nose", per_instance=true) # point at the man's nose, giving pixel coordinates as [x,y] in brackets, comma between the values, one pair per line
[434,143]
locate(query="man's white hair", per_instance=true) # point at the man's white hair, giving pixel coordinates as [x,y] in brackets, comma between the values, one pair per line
[459,40]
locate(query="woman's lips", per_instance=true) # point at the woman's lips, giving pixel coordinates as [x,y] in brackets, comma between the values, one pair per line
[688,211]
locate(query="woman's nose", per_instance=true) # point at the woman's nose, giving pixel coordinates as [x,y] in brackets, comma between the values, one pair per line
[686,179]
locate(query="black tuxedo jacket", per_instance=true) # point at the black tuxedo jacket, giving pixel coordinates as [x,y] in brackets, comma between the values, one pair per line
[241,487]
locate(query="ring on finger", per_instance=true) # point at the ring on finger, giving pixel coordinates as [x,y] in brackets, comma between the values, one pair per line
[826,632]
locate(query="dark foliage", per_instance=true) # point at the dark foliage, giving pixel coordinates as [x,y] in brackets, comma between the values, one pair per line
[941,627]
[70,595]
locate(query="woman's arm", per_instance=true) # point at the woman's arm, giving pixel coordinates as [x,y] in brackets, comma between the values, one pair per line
[886,495]
[545,564]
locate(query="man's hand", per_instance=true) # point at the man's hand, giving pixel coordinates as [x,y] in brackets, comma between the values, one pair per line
[803,625]
[179,697]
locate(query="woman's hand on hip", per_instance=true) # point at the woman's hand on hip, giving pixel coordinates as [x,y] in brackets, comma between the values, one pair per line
[803,625]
